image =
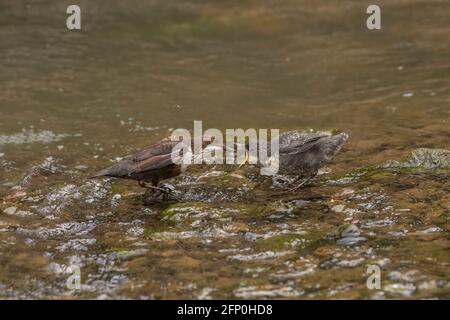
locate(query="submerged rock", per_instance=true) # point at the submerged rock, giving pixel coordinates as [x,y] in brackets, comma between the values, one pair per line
[423,158]
[48,166]
[59,199]
[350,236]
[31,136]
[63,229]
[267,291]
[214,187]
[10,210]
[402,289]
[259,256]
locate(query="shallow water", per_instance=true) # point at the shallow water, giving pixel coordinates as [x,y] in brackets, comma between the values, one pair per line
[73,102]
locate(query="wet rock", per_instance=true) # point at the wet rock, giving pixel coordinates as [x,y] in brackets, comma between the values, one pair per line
[324,251]
[341,208]
[132,253]
[234,250]
[340,263]
[350,231]
[338,208]
[432,285]
[168,235]
[215,186]
[259,256]
[402,289]
[344,193]
[378,223]
[10,210]
[351,241]
[71,195]
[48,166]
[208,233]
[76,245]
[268,291]
[22,213]
[430,230]
[347,179]
[67,228]
[59,199]
[115,200]
[19,213]
[30,136]
[179,214]
[94,190]
[136,231]
[293,274]
[350,236]
[408,276]
[237,227]
[291,234]
[205,294]
[423,158]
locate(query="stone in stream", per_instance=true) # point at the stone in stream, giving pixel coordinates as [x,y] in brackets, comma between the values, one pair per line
[423,158]
[350,236]
[10,210]
[219,187]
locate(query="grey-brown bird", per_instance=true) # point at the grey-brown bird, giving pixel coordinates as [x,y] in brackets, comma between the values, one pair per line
[149,166]
[302,154]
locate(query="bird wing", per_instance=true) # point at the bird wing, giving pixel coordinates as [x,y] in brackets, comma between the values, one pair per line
[152,163]
[156,149]
[162,147]
[300,146]
[157,155]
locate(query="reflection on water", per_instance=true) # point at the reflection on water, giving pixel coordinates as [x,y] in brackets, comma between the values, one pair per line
[72,102]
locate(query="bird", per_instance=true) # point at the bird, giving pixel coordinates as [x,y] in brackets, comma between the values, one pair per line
[302,153]
[150,165]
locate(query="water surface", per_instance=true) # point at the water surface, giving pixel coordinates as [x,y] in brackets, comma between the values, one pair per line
[72,102]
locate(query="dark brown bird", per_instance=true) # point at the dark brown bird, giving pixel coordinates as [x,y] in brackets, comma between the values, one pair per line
[148,166]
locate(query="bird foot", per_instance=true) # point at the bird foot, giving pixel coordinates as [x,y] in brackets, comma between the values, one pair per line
[147,185]
[301,184]
[155,194]
[166,189]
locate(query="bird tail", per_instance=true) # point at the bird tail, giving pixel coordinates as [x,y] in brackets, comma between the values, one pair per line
[102,173]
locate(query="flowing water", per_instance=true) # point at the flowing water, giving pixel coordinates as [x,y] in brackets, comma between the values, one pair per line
[73,102]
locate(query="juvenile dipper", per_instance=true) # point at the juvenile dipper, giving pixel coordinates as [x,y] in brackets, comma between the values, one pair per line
[302,154]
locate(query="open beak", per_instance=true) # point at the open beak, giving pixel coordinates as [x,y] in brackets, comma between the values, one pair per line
[245,160]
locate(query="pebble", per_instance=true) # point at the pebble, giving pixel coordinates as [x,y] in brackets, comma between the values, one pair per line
[350,236]
[408,94]
[338,208]
[10,210]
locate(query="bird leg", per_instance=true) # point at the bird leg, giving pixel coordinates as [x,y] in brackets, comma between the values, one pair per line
[144,184]
[302,183]
[247,156]
[168,189]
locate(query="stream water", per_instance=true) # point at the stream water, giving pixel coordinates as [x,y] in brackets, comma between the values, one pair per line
[73,102]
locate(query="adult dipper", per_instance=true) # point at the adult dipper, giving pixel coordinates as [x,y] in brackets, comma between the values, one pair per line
[150,165]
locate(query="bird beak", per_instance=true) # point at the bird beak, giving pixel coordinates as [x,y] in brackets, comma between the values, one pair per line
[245,160]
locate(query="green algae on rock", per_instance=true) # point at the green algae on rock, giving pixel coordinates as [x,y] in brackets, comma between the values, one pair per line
[423,158]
